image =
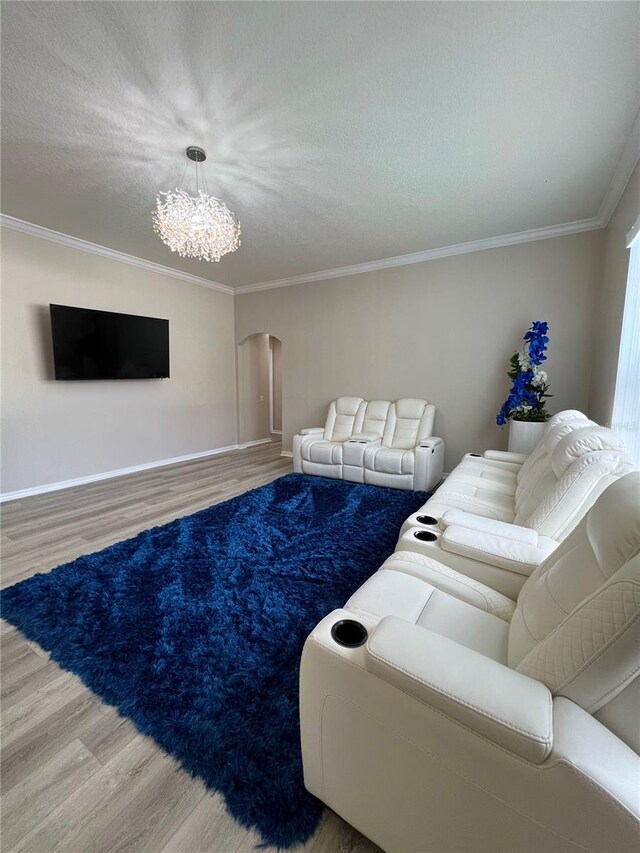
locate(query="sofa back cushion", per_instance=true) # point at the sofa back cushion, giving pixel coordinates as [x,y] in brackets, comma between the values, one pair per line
[566,415]
[375,417]
[583,458]
[575,626]
[579,442]
[536,476]
[540,451]
[345,416]
[576,491]
[408,422]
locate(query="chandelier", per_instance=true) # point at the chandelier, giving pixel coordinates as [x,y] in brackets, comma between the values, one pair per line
[199,226]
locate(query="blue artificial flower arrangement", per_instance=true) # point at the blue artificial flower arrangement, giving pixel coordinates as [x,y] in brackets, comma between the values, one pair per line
[529,384]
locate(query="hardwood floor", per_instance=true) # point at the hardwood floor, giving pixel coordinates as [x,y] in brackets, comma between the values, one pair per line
[77,777]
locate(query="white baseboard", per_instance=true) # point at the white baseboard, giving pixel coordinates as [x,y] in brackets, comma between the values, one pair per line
[107,475]
[254,443]
[287,453]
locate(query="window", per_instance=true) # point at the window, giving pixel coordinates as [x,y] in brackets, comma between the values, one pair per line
[626,403]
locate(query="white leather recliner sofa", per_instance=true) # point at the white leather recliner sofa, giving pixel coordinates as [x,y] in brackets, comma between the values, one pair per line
[377,442]
[506,472]
[551,492]
[506,466]
[467,721]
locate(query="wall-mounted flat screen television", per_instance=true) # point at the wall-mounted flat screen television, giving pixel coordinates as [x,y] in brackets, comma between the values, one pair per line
[91,344]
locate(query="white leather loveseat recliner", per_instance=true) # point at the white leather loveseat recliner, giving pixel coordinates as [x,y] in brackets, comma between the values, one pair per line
[467,721]
[377,442]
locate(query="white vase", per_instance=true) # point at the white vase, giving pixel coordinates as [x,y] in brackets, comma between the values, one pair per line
[524,435]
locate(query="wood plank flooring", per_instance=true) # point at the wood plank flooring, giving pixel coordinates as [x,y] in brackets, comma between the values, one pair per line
[77,777]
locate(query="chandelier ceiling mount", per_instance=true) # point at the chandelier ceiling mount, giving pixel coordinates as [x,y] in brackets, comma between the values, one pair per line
[197,154]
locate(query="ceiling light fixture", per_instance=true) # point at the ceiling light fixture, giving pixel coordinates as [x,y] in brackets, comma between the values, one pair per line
[199,226]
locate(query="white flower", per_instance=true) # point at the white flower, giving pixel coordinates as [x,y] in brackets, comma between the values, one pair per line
[523,360]
[541,378]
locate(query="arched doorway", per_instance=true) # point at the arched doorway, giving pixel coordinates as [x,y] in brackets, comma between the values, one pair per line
[259,365]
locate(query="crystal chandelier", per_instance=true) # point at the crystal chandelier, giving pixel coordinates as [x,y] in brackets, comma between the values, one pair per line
[200,227]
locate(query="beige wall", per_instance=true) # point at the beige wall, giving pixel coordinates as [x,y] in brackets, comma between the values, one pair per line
[253,388]
[610,302]
[443,330]
[53,431]
[276,348]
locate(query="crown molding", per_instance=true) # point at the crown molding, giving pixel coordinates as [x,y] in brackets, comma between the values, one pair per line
[622,173]
[104,252]
[431,254]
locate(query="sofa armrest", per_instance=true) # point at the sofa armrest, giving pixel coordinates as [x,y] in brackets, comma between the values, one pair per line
[492,526]
[510,709]
[432,441]
[506,553]
[429,463]
[505,456]
[312,431]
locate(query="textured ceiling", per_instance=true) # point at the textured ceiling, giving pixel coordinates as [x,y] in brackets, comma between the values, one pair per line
[338,133]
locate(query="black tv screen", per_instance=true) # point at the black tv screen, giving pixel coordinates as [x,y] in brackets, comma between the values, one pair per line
[91,344]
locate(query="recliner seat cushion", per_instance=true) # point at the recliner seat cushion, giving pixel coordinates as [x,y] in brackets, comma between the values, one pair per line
[474,498]
[324,452]
[452,582]
[471,472]
[392,593]
[389,460]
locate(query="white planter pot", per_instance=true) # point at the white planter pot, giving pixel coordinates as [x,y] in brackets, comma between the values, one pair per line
[524,435]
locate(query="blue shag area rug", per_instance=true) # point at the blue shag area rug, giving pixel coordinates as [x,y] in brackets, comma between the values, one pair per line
[194,630]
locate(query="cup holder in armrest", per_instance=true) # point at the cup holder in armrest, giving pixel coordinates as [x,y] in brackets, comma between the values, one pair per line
[425,535]
[426,519]
[349,633]
[479,455]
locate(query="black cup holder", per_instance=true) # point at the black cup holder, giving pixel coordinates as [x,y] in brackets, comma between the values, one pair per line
[426,519]
[475,454]
[349,633]
[425,536]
